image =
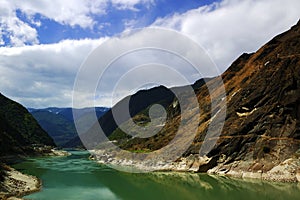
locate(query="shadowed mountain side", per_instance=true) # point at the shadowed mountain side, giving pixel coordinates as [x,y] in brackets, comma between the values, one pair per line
[137,103]
[56,125]
[20,136]
[19,127]
[19,131]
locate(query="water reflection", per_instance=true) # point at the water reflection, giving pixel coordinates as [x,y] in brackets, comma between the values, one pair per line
[202,186]
[76,177]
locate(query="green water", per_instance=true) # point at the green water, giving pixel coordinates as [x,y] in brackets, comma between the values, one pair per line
[76,177]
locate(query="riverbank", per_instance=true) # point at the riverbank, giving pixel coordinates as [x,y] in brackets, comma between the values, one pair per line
[285,171]
[77,177]
[16,184]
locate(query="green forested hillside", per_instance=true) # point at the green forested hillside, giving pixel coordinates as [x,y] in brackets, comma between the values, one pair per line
[19,131]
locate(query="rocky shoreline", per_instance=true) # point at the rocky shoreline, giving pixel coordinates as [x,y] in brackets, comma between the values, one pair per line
[16,184]
[50,151]
[286,171]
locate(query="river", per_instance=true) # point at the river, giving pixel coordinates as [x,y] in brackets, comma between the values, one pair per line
[77,178]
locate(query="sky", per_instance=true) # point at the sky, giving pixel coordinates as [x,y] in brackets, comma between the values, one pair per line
[44,43]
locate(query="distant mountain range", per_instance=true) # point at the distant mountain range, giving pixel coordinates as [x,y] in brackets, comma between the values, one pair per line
[59,122]
[68,113]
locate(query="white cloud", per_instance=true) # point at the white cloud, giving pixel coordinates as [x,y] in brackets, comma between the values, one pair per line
[130,4]
[149,56]
[16,30]
[232,27]
[72,12]
[43,75]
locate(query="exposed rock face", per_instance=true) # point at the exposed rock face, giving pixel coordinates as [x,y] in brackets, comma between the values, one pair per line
[261,135]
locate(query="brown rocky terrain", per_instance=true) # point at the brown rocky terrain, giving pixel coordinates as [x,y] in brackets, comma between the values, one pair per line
[261,134]
[16,184]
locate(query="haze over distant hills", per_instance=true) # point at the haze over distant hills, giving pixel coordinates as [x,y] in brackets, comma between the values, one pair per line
[59,122]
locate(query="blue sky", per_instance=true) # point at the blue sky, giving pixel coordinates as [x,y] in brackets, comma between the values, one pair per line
[114,21]
[43,43]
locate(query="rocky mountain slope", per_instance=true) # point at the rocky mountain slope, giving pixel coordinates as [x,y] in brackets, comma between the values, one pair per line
[261,134]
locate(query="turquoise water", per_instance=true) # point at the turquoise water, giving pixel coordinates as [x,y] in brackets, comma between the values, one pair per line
[76,177]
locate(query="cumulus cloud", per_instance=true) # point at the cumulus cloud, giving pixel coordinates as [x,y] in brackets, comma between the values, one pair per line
[43,75]
[232,27]
[17,31]
[135,60]
[72,13]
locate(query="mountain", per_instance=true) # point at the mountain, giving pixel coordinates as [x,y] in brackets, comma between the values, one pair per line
[67,113]
[20,136]
[59,122]
[19,131]
[261,134]
[137,103]
[262,129]
[56,125]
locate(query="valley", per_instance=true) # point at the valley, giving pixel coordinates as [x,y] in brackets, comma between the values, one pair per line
[253,152]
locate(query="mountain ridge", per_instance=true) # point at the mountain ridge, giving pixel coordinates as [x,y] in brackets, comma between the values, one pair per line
[260,137]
